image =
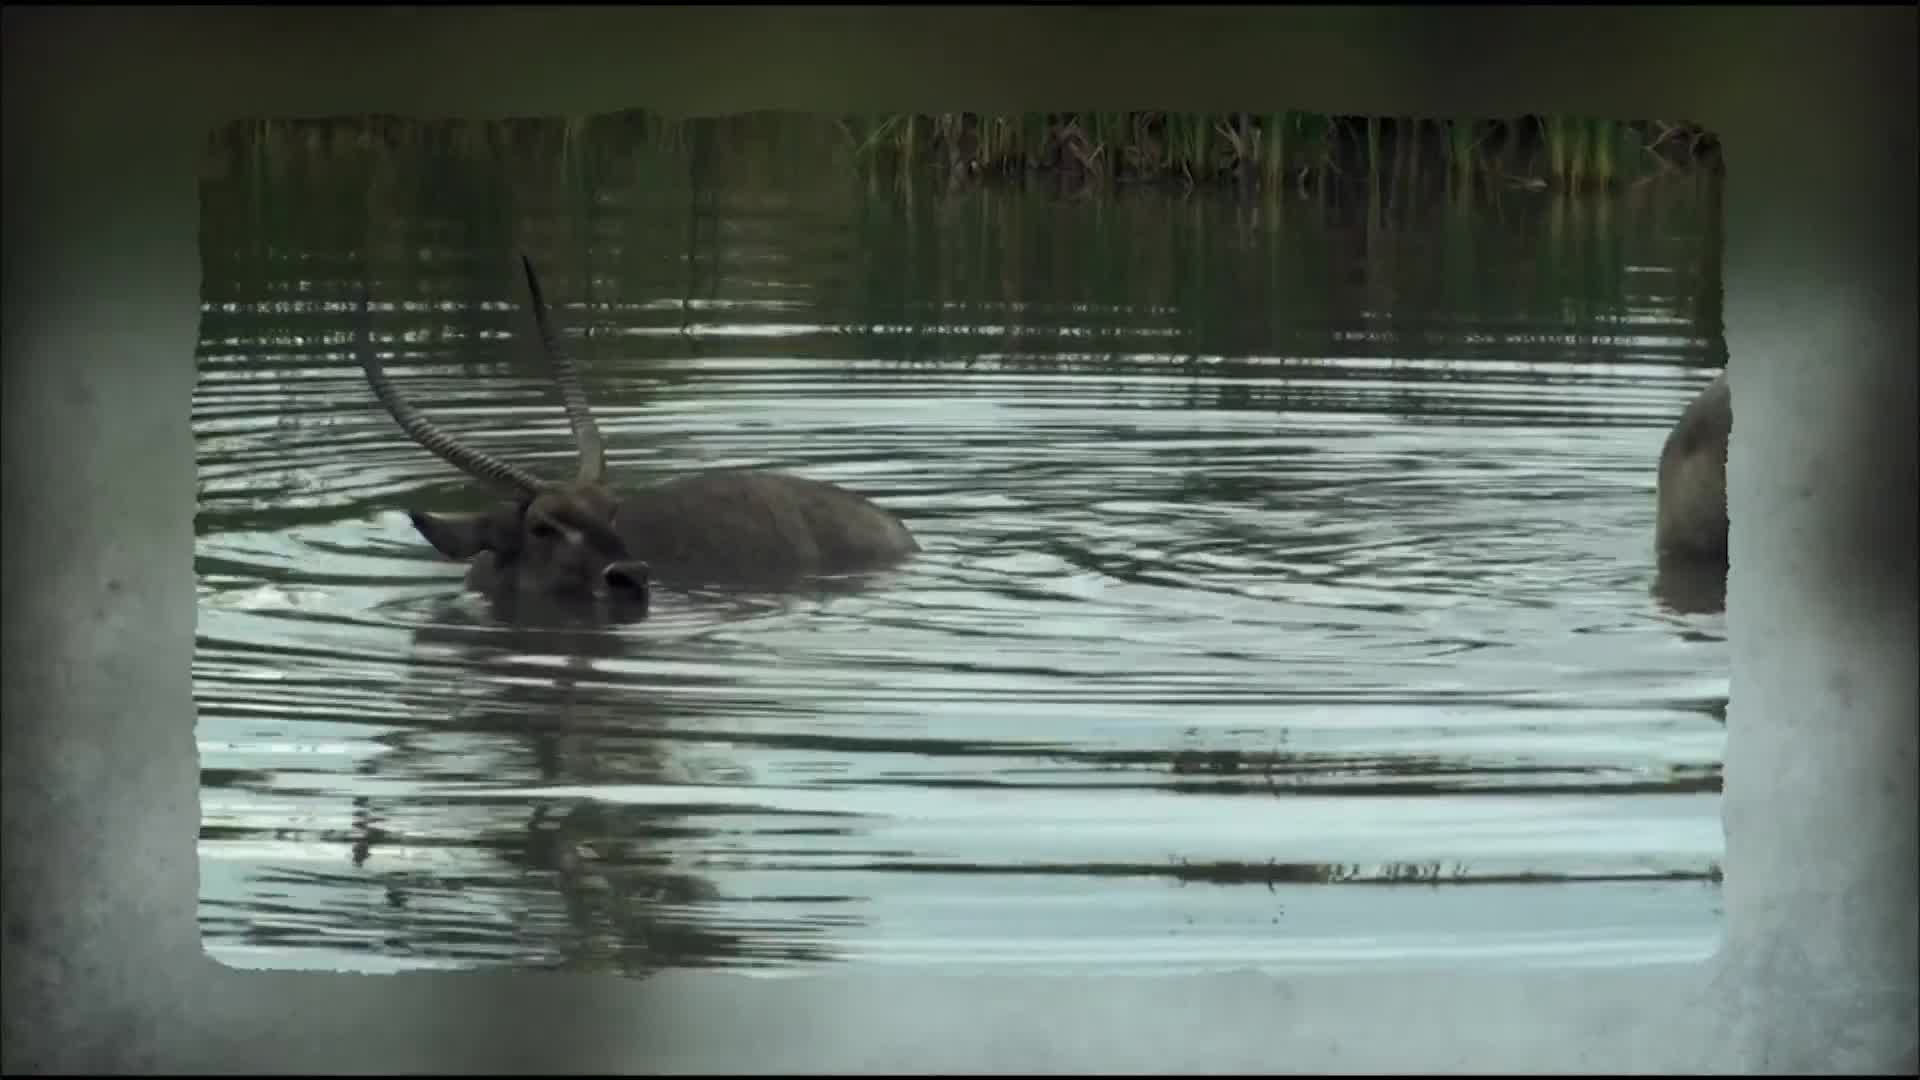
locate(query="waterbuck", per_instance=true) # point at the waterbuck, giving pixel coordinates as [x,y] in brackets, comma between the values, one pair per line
[580,541]
[1690,513]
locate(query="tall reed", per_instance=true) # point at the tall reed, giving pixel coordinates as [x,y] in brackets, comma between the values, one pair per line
[1090,149]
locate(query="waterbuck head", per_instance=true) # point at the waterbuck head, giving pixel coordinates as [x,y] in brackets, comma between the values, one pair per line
[544,540]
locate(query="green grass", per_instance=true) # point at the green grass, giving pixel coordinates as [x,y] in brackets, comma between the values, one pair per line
[1391,159]
[1404,155]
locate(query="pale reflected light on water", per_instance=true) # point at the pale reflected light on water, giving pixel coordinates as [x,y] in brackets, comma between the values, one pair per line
[1274,612]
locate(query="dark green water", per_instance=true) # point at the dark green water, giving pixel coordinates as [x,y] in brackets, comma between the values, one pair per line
[1285,602]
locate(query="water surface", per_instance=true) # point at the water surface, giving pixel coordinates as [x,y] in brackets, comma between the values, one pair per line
[1286,598]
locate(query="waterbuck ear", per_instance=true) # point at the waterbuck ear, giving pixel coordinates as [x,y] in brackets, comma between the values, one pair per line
[462,536]
[457,536]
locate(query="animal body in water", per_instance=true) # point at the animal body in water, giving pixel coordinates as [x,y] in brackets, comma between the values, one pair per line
[1690,511]
[1690,516]
[582,542]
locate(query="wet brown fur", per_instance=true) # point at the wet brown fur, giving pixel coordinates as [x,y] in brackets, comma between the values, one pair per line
[727,526]
[1690,517]
[740,525]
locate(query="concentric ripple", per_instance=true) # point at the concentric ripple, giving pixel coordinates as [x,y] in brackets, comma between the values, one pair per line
[1222,652]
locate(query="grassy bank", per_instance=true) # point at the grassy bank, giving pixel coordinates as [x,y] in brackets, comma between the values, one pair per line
[1081,152]
[635,195]
[1304,151]
[794,213]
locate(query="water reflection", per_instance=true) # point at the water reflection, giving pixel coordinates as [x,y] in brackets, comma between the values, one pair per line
[1274,551]
[630,903]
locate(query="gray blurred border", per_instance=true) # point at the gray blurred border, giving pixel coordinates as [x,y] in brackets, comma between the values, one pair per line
[105,114]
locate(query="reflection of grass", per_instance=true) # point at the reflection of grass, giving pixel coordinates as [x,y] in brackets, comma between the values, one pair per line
[1133,277]
[1276,276]
[1272,872]
[1280,772]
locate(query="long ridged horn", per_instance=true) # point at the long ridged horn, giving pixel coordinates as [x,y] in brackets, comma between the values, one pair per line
[475,463]
[586,433]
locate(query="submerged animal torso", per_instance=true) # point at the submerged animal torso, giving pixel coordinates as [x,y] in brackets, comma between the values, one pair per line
[741,526]
[1691,503]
